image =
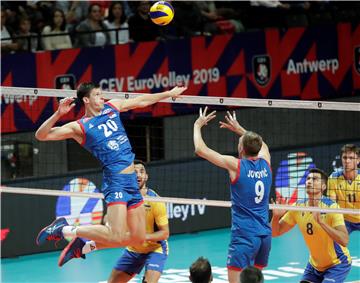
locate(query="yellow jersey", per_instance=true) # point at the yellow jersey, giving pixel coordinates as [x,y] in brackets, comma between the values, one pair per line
[347,194]
[155,215]
[324,251]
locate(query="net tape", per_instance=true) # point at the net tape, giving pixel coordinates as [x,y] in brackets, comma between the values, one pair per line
[216,203]
[227,101]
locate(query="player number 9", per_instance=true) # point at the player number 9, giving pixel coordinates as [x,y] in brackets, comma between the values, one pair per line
[259,191]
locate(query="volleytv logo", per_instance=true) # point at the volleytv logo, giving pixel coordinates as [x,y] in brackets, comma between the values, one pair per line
[80,210]
[184,211]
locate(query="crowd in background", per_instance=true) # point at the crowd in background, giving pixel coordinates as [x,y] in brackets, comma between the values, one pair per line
[51,25]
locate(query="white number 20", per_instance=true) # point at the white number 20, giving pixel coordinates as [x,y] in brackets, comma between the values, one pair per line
[109,127]
[259,191]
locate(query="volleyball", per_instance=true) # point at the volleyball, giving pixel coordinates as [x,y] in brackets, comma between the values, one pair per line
[161,13]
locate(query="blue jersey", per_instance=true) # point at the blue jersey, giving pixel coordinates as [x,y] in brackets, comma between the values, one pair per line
[250,198]
[106,139]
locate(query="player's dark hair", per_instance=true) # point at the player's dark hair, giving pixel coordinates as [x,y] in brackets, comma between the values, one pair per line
[252,143]
[200,271]
[324,176]
[138,161]
[84,90]
[251,274]
[350,148]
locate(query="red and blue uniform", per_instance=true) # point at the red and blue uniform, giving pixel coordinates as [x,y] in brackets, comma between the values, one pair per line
[250,231]
[104,136]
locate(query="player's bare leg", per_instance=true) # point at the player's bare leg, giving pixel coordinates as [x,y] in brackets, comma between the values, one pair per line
[117,276]
[233,276]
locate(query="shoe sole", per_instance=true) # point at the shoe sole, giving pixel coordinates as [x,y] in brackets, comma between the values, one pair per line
[64,252]
[43,229]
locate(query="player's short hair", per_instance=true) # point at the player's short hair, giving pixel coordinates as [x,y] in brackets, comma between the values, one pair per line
[251,274]
[84,90]
[350,148]
[324,176]
[200,271]
[138,161]
[252,143]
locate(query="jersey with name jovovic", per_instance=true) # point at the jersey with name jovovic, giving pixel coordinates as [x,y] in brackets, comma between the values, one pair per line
[106,139]
[250,198]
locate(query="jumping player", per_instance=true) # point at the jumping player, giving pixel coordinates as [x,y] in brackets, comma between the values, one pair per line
[102,133]
[154,252]
[251,179]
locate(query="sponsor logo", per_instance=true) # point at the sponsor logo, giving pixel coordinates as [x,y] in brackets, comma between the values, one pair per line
[106,111]
[262,69]
[113,145]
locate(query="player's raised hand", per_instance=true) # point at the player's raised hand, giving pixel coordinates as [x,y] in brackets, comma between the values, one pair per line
[231,123]
[203,118]
[177,91]
[278,212]
[65,105]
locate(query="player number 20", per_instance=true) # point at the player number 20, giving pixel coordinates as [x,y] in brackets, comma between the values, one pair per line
[108,127]
[259,191]
[118,195]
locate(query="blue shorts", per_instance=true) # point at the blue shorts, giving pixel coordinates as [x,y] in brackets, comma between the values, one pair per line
[351,226]
[132,263]
[121,189]
[248,250]
[335,274]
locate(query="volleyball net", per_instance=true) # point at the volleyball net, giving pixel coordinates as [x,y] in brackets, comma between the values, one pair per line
[300,134]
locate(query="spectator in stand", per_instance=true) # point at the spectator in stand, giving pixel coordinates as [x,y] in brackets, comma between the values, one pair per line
[26,40]
[117,19]
[92,30]
[75,12]
[268,13]
[58,25]
[188,19]
[218,20]
[39,13]
[7,45]
[141,27]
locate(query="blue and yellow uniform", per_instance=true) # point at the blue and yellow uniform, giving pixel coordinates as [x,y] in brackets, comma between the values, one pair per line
[250,231]
[152,255]
[328,260]
[347,195]
[105,137]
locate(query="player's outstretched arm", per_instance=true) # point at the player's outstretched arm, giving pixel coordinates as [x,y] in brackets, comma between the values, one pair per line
[147,99]
[201,149]
[48,132]
[233,125]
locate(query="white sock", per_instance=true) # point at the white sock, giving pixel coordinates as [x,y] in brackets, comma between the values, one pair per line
[69,231]
[89,247]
